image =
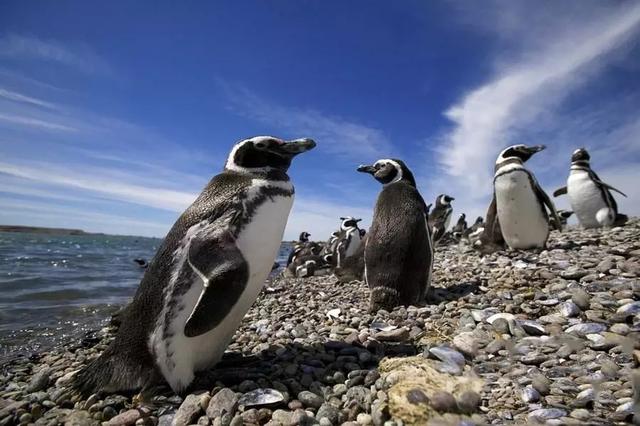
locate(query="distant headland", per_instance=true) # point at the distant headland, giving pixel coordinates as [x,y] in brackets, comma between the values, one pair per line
[41,230]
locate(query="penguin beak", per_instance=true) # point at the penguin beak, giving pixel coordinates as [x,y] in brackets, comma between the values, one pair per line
[295,147]
[366,169]
[536,148]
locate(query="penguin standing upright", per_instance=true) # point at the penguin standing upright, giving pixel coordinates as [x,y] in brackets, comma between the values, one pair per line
[518,212]
[460,227]
[398,255]
[473,232]
[590,197]
[206,274]
[440,216]
[349,240]
[302,240]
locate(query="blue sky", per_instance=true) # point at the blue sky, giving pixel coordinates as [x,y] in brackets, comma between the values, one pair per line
[114,115]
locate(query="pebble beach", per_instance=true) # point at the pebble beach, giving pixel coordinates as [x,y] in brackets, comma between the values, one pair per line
[513,337]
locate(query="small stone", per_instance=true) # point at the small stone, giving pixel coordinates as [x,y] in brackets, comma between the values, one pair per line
[129,417]
[581,298]
[544,414]
[39,381]
[310,399]
[223,402]
[76,418]
[397,335]
[329,412]
[262,396]
[443,401]
[466,343]
[417,396]
[364,419]
[541,384]
[190,408]
[468,402]
[529,395]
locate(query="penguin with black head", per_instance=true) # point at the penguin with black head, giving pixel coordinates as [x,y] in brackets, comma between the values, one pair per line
[440,216]
[206,274]
[518,213]
[349,240]
[398,254]
[591,198]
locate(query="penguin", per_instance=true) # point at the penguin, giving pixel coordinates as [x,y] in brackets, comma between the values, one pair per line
[518,214]
[473,232]
[304,238]
[564,216]
[440,217]
[590,197]
[398,255]
[460,227]
[206,274]
[349,240]
[352,267]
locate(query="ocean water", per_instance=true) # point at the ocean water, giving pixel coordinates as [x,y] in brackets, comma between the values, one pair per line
[55,289]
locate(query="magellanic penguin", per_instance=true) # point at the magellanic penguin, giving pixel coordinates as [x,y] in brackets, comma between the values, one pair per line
[205,276]
[349,240]
[518,214]
[460,227]
[302,240]
[590,197]
[398,255]
[440,216]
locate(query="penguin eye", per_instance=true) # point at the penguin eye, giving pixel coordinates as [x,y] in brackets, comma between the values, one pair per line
[260,145]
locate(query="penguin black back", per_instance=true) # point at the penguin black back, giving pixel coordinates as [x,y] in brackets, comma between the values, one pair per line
[398,252]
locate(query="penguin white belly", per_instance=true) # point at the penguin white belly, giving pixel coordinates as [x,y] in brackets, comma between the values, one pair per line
[522,221]
[586,200]
[447,221]
[354,243]
[259,242]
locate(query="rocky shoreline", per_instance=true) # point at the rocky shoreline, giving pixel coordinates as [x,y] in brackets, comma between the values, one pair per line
[507,338]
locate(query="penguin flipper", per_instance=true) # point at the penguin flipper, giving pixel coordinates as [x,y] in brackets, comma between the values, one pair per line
[492,233]
[560,191]
[218,262]
[546,201]
[594,176]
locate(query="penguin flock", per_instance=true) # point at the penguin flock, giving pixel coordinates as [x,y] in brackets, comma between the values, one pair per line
[214,261]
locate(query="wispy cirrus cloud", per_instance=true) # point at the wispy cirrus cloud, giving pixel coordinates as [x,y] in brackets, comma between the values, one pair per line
[75,55]
[534,76]
[98,182]
[339,136]
[30,122]
[19,97]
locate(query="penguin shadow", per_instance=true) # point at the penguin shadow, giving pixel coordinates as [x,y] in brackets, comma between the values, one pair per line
[437,295]
[301,366]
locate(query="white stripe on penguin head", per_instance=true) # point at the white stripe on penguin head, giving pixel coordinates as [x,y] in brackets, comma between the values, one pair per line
[396,165]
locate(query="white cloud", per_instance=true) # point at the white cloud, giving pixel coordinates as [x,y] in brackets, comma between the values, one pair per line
[18,97]
[320,217]
[49,215]
[35,123]
[339,136]
[75,55]
[531,83]
[100,183]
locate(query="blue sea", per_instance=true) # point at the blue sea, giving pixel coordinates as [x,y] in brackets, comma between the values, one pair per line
[55,289]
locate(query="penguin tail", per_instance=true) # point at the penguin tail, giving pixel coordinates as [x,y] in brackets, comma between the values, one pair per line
[620,220]
[113,372]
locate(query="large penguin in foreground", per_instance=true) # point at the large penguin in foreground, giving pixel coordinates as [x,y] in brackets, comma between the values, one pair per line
[398,255]
[205,276]
[590,197]
[518,214]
